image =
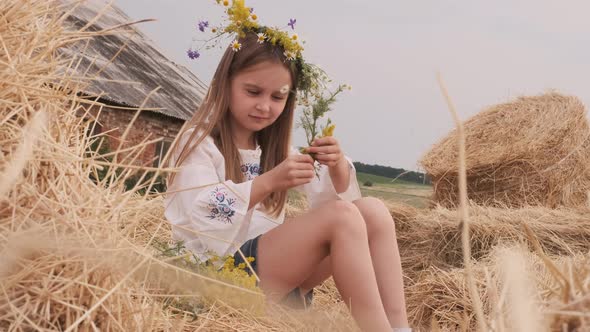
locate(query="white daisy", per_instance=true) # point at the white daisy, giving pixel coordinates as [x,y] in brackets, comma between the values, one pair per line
[284,89]
[236,46]
[290,55]
[261,37]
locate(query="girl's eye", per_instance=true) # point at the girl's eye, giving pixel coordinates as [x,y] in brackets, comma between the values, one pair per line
[278,98]
[252,92]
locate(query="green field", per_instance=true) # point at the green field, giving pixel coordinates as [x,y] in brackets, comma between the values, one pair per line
[388,189]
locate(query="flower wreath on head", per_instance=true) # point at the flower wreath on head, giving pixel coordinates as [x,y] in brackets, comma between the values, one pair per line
[313,94]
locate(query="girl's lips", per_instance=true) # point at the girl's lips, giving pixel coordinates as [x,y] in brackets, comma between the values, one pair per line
[258,117]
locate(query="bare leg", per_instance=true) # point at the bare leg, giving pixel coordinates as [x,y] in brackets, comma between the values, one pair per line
[385,257]
[321,274]
[291,252]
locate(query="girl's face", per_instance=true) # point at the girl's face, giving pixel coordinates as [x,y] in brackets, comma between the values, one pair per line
[258,96]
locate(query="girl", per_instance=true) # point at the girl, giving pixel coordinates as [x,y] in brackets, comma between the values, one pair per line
[236,166]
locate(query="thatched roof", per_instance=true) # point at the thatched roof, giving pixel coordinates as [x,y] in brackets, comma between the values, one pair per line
[140,62]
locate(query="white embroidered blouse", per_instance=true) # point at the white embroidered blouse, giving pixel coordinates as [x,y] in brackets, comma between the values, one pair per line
[210,214]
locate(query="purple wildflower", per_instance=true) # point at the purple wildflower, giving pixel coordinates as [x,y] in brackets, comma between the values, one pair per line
[203,25]
[193,54]
[251,10]
[292,23]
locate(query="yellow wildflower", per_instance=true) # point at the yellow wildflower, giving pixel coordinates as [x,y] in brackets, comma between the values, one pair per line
[226,3]
[214,259]
[328,130]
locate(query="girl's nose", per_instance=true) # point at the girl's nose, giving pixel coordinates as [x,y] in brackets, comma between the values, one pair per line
[263,106]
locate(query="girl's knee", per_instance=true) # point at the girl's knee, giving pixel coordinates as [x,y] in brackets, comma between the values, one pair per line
[371,203]
[342,209]
[376,214]
[346,217]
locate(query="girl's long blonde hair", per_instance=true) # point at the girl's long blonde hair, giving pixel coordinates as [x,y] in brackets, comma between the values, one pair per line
[212,118]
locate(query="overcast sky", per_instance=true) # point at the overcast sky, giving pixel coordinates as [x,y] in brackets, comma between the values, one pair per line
[389,51]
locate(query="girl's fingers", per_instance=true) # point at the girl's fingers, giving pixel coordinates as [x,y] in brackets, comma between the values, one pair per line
[303,174]
[305,165]
[303,158]
[324,149]
[327,157]
[328,140]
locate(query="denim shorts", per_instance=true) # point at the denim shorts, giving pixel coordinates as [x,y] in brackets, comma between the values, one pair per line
[294,298]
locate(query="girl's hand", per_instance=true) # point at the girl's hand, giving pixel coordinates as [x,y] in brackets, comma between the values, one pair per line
[293,171]
[327,151]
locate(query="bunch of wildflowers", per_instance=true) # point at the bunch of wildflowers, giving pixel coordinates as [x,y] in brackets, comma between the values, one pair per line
[220,268]
[206,293]
[313,112]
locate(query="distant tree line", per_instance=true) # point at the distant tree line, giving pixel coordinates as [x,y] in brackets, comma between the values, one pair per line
[391,172]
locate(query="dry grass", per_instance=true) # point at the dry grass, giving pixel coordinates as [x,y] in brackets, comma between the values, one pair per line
[530,151]
[441,295]
[513,303]
[433,237]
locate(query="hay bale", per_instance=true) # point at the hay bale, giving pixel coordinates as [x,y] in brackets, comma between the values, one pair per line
[59,239]
[441,296]
[433,238]
[401,212]
[531,151]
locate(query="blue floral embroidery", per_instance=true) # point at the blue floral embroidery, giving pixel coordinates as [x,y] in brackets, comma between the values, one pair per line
[250,170]
[221,205]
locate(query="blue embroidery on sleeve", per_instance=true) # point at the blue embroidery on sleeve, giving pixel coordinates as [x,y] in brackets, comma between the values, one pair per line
[250,170]
[221,205]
